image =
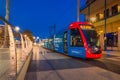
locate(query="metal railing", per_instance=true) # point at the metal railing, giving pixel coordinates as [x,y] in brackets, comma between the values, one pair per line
[13,57]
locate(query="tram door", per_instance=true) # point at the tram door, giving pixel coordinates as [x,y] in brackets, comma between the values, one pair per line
[65,43]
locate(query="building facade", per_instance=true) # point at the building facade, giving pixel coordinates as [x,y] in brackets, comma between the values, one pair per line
[1,35]
[105,15]
[2,29]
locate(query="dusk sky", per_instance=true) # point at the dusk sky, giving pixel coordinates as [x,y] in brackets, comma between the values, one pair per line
[39,15]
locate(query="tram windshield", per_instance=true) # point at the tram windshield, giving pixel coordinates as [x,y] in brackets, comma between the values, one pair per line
[76,39]
[91,35]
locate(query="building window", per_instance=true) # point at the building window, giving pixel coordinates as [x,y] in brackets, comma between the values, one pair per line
[76,39]
[118,8]
[112,39]
[114,10]
[98,16]
[107,13]
[101,15]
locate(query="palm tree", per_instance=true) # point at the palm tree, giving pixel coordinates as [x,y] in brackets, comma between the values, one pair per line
[29,34]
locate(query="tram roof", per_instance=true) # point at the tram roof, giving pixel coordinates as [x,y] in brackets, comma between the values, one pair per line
[77,24]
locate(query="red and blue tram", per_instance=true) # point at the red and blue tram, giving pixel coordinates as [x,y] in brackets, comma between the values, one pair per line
[79,40]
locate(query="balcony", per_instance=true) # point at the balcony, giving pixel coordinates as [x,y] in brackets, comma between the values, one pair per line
[109,19]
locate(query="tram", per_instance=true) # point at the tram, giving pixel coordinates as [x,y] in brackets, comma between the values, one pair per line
[79,40]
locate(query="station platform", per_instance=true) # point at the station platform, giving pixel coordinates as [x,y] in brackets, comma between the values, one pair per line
[48,65]
[11,70]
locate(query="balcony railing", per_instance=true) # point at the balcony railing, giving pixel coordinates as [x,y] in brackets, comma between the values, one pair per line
[110,16]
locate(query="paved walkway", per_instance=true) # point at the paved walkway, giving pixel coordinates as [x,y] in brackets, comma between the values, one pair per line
[54,66]
[113,56]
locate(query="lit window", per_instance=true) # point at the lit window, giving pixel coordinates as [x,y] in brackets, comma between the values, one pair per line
[118,28]
[101,16]
[119,8]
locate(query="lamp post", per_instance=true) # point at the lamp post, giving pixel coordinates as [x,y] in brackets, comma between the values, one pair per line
[105,42]
[78,10]
[6,25]
[17,29]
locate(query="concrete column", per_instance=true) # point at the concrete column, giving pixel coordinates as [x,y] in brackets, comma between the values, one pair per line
[12,49]
[118,39]
[12,43]
[102,40]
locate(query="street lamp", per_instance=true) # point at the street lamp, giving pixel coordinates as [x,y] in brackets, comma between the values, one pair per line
[93,19]
[17,29]
[33,37]
[37,37]
[118,28]
[105,38]
[25,35]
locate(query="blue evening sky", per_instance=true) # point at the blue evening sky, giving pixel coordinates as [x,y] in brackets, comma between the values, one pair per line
[39,15]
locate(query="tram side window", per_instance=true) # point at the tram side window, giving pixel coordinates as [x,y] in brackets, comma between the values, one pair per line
[76,39]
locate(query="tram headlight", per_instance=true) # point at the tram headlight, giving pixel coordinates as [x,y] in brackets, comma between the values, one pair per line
[95,50]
